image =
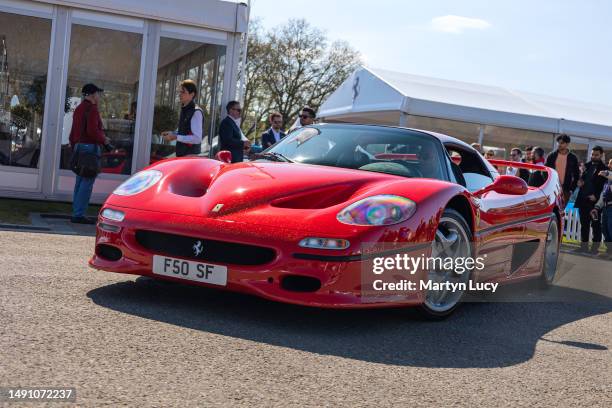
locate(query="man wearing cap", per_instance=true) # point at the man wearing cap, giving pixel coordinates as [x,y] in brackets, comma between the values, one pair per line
[86,136]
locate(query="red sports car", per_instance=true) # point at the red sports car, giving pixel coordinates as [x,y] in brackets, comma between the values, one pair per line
[302,223]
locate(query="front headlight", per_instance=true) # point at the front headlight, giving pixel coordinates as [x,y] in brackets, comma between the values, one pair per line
[138,183]
[113,215]
[378,210]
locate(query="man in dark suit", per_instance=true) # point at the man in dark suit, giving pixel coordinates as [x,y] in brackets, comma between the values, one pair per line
[275,133]
[566,164]
[591,185]
[230,136]
[537,177]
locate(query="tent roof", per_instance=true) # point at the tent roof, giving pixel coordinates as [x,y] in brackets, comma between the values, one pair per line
[370,90]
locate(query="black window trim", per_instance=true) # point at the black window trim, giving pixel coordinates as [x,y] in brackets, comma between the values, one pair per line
[458,147]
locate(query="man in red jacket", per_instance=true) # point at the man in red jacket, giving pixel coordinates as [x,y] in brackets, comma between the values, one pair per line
[86,136]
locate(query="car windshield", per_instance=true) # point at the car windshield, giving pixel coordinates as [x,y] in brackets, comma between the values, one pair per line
[384,150]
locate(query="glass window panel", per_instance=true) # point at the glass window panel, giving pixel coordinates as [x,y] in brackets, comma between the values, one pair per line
[502,139]
[176,103]
[24,60]
[207,83]
[111,60]
[193,74]
[183,59]
[167,95]
[581,150]
[219,110]
[467,132]
[159,93]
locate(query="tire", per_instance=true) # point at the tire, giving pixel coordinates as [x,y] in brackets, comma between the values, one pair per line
[452,227]
[551,256]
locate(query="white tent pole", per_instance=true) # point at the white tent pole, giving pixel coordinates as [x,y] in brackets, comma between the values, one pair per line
[403,119]
[481,135]
[245,48]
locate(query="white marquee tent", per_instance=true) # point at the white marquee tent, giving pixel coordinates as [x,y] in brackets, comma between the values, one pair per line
[378,96]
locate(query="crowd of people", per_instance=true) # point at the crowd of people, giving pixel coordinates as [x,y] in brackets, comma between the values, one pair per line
[588,185]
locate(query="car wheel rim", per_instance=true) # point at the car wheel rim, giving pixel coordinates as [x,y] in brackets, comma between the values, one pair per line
[451,241]
[551,252]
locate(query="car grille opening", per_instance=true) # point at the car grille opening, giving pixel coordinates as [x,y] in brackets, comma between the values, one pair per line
[298,283]
[204,249]
[108,252]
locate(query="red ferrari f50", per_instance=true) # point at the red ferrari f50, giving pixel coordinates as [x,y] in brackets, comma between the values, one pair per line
[290,226]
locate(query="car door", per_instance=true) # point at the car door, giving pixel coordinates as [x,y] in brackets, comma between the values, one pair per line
[499,218]
[500,227]
[539,208]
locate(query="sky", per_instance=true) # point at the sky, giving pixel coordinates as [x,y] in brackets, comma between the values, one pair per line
[558,48]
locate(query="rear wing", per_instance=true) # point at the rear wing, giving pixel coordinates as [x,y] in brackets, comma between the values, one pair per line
[520,165]
[552,178]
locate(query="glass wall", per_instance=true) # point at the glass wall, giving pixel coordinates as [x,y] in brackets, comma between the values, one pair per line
[111,60]
[581,149]
[503,139]
[179,60]
[24,60]
[468,132]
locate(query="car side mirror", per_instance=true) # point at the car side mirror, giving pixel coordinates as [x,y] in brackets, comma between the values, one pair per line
[510,185]
[224,156]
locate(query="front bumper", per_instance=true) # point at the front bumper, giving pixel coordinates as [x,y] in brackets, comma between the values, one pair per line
[340,278]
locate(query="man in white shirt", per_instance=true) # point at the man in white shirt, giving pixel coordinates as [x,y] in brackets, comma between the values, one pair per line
[191,122]
[275,133]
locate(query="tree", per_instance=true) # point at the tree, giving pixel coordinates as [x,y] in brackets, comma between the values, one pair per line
[291,66]
[257,96]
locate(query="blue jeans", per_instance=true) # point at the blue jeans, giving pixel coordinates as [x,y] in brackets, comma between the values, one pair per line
[606,226]
[83,186]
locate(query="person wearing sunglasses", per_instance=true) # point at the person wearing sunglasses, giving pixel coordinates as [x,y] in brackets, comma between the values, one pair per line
[516,155]
[275,133]
[490,155]
[231,137]
[307,117]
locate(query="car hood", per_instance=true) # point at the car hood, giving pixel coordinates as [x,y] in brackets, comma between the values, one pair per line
[297,196]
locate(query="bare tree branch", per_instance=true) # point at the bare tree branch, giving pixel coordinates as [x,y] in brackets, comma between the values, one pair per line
[288,67]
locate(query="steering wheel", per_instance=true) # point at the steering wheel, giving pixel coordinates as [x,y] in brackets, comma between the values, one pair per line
[411,167]
[390,167]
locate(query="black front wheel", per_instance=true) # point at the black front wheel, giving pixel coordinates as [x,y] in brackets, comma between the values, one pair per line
[453,240]
[551,255]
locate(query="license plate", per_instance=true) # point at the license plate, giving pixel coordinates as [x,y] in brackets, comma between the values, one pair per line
[190,270]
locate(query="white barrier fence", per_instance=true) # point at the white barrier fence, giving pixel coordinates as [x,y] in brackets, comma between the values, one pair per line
[571,224]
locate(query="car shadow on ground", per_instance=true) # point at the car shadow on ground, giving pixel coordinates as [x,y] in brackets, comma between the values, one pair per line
[478,334]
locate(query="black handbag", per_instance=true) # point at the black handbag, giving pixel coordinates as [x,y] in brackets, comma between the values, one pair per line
[85,164]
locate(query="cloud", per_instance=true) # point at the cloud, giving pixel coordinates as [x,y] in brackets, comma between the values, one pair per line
[458,24]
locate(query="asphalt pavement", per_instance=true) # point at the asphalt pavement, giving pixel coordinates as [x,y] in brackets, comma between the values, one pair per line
[127,341]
